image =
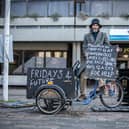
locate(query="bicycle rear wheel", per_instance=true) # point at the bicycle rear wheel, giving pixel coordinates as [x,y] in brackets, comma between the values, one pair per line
[112,94]
[50,100]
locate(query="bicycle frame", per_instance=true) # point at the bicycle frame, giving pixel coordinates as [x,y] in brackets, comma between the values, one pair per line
[94,93]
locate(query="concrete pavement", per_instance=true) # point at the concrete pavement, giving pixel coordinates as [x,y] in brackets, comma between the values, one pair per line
[76,117]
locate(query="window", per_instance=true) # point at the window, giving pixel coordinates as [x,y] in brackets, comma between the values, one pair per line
[101,8]
[2,8]
[58,7]
[65,8]
[123,57]
[121,8]
[47,59]
[37,8]
[18,8]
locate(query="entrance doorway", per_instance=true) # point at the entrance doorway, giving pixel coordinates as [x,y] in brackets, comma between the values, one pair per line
[123,57]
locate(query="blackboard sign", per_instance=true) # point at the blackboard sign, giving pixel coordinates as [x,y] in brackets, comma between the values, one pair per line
[36,77]
[101,62]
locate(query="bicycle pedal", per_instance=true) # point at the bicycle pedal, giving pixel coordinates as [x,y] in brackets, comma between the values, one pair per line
[87,101]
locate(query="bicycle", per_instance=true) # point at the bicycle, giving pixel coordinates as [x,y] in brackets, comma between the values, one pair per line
[111,93]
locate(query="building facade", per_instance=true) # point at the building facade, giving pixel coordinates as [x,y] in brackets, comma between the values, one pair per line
[49,33]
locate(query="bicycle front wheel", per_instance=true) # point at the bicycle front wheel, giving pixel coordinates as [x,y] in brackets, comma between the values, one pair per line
[112,94]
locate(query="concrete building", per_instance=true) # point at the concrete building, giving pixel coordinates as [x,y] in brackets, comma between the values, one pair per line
[46,33]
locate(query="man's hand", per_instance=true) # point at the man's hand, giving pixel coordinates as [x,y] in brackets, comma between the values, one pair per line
[118,49]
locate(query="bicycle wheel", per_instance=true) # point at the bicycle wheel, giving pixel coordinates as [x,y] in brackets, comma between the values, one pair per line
[50,100]
[112,94]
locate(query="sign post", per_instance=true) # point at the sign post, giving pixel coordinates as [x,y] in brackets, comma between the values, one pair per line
[119,35]
[6,49]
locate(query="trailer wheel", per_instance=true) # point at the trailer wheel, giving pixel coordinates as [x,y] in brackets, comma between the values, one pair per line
[50,99]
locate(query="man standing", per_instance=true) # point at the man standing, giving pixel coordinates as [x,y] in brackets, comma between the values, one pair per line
[93,37]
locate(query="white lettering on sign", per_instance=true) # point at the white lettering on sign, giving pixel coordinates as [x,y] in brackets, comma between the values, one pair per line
[42,76]
[101,61]
[46,73]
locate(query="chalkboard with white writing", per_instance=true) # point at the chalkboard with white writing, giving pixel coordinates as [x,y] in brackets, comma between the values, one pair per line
[101,61]
[37,77]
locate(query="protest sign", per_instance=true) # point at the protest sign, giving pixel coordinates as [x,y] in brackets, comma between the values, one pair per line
[62,77]
[101,61]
